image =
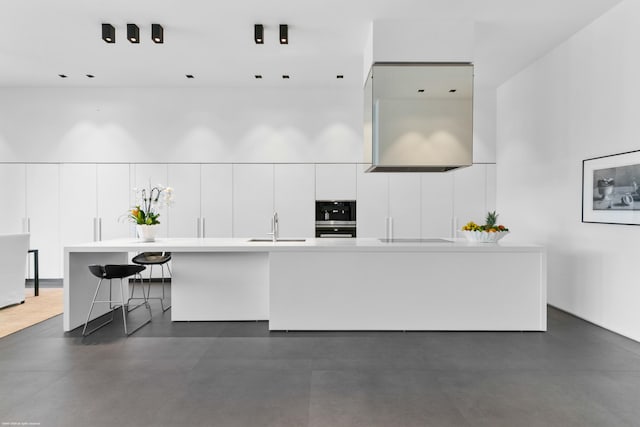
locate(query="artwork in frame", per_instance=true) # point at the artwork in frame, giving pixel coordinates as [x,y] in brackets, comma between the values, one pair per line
[611,189]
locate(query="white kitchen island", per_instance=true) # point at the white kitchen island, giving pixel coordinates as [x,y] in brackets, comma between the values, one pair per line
[335,284]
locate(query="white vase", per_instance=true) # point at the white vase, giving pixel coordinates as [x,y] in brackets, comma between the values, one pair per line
[147,233]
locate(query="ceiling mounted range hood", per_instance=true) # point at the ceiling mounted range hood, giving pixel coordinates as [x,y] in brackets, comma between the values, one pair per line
[418,117]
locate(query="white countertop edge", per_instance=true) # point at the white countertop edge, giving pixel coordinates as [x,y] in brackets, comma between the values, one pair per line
[310,245]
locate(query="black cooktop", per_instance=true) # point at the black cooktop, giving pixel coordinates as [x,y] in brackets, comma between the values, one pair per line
[415,240]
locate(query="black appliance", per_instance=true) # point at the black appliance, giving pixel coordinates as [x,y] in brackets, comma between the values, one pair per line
[335,218]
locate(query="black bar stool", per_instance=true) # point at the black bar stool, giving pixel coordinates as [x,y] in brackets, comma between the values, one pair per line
[112,271]
[150,259]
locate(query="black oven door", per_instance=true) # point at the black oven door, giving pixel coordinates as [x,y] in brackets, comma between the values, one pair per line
[335,230]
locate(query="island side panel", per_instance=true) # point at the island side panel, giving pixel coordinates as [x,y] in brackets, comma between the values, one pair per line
[220,286]
[407,291]
[80,285]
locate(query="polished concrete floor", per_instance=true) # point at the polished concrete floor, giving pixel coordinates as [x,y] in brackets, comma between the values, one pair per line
[240,374]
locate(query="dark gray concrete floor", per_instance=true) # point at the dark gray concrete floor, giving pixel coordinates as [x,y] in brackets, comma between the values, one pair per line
[240,374]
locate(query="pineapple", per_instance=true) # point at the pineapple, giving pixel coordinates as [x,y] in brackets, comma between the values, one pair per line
[492,219]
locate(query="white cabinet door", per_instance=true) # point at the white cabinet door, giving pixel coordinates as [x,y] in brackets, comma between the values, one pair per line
[217,200]
[147,176]
[252,200]
[404,204]
[372,206]
[13,181]
[43,211]
[78,203]
[469,203]
[437,205]
[336,181]
[183,215]
[113,199]
[294,199]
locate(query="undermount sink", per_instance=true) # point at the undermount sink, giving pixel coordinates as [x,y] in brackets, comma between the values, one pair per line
[277,241]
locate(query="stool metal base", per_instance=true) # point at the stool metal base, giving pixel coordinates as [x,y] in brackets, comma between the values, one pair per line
[111,301]
[146,297]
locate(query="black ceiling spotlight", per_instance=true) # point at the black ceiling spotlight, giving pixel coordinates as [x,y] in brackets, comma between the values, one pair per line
[133,33]
[157,33]
[108,33]
[258,33]
[284,34]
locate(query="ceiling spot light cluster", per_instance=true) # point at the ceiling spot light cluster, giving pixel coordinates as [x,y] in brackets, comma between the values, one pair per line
[133,33]
[258,34]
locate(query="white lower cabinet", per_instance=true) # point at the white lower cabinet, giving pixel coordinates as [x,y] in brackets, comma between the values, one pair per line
[252,200]
[294,199]
[43,216]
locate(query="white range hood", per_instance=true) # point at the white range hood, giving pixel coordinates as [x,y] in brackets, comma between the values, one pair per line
[418,117]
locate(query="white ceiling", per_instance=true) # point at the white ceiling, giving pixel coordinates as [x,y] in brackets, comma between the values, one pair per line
[213,40]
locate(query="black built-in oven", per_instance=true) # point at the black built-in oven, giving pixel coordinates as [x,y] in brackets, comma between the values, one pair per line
[335,218]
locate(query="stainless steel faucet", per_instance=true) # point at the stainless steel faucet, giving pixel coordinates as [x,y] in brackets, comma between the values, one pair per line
[274,227]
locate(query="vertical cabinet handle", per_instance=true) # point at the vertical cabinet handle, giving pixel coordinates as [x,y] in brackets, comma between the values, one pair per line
[389,227]
[198,227]
[204,233]
[97,229]
[26,225]
[454,226]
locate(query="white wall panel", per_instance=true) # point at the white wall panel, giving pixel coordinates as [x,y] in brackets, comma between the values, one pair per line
[336,182]
[184,213]
[114,189]
[252,200]
[295,199]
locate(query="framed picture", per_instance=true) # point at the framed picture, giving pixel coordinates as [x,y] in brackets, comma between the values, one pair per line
[611,189]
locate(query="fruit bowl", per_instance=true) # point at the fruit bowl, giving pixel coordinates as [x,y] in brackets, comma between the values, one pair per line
[484,236]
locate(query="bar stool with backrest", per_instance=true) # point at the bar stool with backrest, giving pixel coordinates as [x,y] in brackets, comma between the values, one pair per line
[114,271]
[150,259]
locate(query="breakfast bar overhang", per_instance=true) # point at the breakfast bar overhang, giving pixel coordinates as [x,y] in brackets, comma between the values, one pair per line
[335,284]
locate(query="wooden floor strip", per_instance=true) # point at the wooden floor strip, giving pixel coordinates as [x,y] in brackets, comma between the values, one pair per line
[34,310]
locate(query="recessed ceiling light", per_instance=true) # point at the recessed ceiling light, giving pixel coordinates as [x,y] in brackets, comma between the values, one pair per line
[284,34]
[190,76]
[452,90]
[258,33]
[133,33]
[258,76]
[420,90]
[340,76]
[62,76]
[90,76]
[108,33]
[157,33]
[285,76]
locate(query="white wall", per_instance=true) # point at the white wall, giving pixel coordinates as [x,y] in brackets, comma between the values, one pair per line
[582,100]
[180,125]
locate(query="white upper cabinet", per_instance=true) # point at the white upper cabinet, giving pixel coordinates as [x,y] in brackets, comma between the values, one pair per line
[217,200]
[13,181]
[43,213]
[252,200]
[113,200]
[470,195]
[147,176]
[436,196]
[336,181]
[184,214]
[372,205]
[294,199]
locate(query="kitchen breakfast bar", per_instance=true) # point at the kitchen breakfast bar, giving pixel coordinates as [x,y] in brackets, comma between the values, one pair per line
[333,284]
